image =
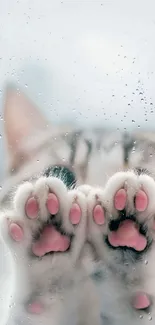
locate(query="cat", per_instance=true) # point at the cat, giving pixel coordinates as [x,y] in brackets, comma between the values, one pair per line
[77,217]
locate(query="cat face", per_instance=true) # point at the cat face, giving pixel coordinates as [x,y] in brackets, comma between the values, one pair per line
[35,146]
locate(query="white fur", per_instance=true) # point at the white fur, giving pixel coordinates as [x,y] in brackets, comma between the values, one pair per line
[77,299]
[33,146]
[32,272]
[115,293]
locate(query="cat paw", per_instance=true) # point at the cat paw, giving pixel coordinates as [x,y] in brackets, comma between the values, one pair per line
[39,206]
[121,228]
[45,232]
[122,215]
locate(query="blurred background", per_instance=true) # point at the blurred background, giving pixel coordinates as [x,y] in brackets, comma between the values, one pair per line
[82,62]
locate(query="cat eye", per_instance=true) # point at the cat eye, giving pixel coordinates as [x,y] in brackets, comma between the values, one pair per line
[63,173]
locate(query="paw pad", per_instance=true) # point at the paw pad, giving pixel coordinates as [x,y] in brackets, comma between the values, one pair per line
[141,301]
[75,214]
[128,235]
[16,232]
[31,208]
[120,199]
[98,215]
[141,201]
[35,308]
[50,240]
[52,203]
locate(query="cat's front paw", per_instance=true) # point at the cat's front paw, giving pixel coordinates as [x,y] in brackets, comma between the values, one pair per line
[36,207]
[123,214]
[122,230]
[46,218]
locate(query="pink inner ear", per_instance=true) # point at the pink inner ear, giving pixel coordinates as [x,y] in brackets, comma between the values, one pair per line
[22,119]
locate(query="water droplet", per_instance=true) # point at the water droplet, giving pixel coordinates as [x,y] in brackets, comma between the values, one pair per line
[146,262]
[26,85]
[150,317]
[12,305]
[141,316]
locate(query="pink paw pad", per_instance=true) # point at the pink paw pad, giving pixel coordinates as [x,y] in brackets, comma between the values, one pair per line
[16,232]
[52,203]
[50,240]
[128,235]
[31,208]
[35,308]
[98,215]
[141,301]
[120,199]
[141,201]
[75,214]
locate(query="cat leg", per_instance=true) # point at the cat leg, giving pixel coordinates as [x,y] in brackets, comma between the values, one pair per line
[45,283]
[122,232]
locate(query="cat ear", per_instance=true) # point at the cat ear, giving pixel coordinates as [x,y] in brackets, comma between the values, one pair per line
[21,120]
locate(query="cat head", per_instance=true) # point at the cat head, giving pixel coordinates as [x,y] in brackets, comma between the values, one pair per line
[32,143]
